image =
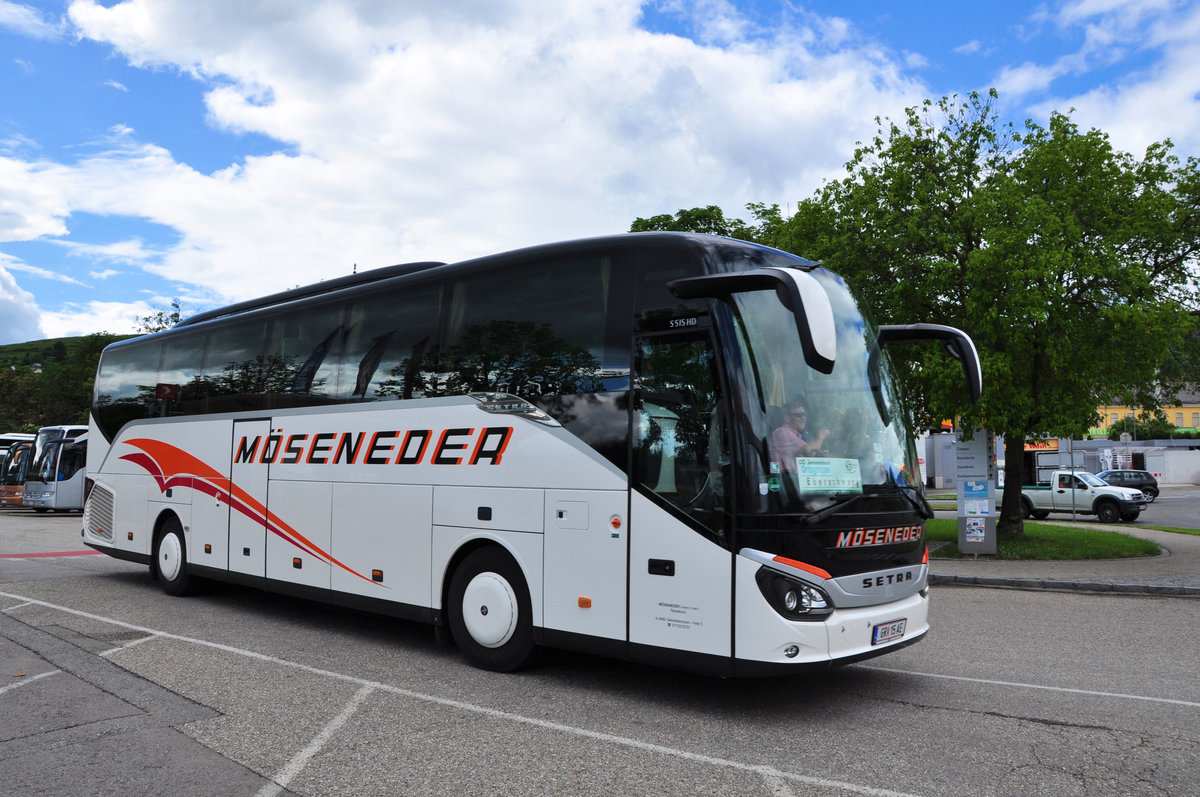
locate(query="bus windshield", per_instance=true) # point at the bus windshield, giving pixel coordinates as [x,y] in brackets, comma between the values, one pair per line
[816,440]
[45,450]
[42,452]
[15,462]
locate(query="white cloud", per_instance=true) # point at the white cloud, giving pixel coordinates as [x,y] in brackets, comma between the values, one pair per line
[30,207]
[27,21]
[19,319]
[85,318]
[43,273]
[1147,105]
[131,252]
[452,130]
[1027,78]
[443,131]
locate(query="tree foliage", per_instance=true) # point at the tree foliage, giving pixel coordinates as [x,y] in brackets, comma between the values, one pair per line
[1072,265]
[59,393]
[161,319]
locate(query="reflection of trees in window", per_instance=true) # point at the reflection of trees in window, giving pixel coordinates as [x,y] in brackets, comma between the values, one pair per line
[113,413]
[517,357]
[680,446]
[305,381]
[245,382]
[679,378]
[405,380]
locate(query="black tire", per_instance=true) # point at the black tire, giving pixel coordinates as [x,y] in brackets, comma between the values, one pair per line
[1026,508]
[1150,494]
[1041,514]
[1107,512]
[489,612]
[170,559]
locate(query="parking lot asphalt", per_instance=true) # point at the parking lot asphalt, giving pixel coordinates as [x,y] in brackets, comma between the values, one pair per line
[71,717]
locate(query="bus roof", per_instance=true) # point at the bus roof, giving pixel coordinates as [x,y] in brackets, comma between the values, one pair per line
[317,288]
[686,240]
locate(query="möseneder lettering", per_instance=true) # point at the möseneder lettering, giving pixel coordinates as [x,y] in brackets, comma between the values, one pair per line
[459,446]
[859,538]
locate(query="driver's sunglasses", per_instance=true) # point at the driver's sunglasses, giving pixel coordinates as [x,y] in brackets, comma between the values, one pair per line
[798,414]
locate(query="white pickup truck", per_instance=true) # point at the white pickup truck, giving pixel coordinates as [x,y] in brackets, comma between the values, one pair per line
[1084,493]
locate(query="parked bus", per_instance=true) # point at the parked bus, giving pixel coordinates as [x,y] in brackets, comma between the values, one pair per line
[8,439]
[12,472]
[564,446]
[55,480]
[45,455]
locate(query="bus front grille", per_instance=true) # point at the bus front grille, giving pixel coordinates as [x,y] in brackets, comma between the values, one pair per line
[99,516]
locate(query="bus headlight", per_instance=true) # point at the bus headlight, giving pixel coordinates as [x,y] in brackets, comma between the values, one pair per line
[793,599]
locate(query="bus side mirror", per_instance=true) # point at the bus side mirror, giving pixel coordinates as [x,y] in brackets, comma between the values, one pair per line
[957,343]
[797,290]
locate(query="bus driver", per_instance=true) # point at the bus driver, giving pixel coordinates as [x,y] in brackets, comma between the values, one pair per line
[788,441]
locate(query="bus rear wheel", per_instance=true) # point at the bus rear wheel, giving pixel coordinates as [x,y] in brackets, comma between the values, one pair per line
[170,559]
[490,615]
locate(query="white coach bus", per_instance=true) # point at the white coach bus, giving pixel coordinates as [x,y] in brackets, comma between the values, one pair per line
[570,446]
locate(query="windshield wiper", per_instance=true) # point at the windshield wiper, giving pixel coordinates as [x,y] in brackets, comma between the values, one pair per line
[820,515]
[917,500]
[910,494]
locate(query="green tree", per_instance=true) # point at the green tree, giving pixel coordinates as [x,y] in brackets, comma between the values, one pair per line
[60,393]
[1069,263]
[709,220]
[161,318]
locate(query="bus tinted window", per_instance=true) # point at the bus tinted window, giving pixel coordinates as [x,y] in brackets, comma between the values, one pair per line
[125,385]
[179,388]
[532,330]
[235,370]
[391,344]
[302,363]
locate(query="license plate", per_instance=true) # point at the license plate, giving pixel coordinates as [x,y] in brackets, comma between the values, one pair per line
[888,632]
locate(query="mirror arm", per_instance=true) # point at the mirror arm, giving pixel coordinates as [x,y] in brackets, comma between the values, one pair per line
[957,343]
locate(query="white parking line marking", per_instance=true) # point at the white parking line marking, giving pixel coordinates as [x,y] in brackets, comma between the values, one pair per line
[1063,689]
[28,680]
[127,645]
[297,764]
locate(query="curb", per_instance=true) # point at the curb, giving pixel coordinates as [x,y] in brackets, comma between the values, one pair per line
[1034,584]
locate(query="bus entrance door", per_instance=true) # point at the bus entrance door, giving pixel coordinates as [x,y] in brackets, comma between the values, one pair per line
[248,512]
[679,572]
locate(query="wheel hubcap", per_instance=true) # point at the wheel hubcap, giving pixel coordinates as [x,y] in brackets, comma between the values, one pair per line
[490,610]
[170,556]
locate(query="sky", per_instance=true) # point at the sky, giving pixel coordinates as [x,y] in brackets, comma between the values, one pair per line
[215,151]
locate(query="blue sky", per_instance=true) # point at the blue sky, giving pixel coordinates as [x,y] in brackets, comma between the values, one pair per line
[211,152]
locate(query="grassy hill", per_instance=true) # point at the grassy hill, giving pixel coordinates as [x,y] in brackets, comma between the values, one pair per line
[46,382]
[51,349]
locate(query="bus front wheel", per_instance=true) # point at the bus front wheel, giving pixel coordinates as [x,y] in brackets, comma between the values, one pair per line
[170,559]
[489,611]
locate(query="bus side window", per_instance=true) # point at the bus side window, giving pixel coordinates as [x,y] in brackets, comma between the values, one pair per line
[233,371]
[302,358]
[391,345]
[535,329]
[180,389]
[125,386]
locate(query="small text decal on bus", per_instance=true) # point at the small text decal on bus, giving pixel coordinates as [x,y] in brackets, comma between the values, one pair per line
[392,447]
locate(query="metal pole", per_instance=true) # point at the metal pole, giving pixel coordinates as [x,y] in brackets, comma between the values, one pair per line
[1071,459]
